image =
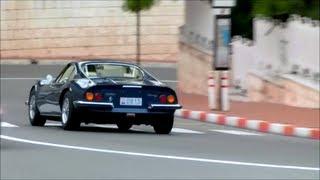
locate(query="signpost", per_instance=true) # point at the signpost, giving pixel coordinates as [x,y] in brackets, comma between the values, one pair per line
[221,55]
[222,41]
[222,33]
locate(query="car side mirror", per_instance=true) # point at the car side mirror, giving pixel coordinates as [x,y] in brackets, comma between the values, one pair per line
[47,81]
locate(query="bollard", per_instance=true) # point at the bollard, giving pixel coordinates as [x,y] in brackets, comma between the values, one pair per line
[224,85]
[211,92]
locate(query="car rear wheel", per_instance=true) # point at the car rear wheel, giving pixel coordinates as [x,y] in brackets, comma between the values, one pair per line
[163,124]
[34,115]
[124,125]
[68,116]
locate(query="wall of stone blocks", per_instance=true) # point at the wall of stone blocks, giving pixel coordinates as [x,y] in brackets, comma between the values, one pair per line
[282,91]
[278,47]
[194,66]
[88,29]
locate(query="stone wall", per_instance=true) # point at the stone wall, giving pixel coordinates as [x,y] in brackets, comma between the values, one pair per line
[283,48]
[196,44]
[281,65]
[88,29]
[194,66]
[281,90]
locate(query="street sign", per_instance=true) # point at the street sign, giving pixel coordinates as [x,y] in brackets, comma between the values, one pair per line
[223,3]
[222,42]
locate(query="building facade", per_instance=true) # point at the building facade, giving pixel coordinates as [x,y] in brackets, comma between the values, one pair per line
[197,43]
[58,29]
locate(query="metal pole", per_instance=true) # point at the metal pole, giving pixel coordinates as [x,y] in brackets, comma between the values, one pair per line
[224,90]
[212,98]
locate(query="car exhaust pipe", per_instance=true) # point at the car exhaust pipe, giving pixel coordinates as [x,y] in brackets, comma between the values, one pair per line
[131,115]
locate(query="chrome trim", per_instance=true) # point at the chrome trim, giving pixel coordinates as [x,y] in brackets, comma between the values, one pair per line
[94,103]
[131,86]
[178,106]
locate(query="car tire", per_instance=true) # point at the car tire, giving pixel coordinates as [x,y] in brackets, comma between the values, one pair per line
[34,114]
[163,124]
[69,119]
[124,125]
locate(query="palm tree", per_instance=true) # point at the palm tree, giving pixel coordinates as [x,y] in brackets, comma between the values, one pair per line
[136,6]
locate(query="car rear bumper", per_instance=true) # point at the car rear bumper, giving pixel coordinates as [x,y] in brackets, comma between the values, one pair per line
[109,107]
[98,112]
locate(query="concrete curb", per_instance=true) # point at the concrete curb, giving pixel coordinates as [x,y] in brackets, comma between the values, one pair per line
[257,125]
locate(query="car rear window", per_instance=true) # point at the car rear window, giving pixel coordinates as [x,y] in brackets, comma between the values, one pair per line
[104,70]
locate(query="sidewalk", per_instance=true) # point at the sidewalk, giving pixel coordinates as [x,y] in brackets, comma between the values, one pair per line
[272,113]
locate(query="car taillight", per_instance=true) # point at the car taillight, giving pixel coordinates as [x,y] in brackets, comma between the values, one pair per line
[171,99]
[163,99]
[98,97]
[89,96]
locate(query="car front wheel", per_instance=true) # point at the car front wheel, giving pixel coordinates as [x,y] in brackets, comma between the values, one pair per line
[163,124]
[68,116]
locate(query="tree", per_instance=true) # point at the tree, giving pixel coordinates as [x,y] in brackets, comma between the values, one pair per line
[241,19]
[136,6]
[245,10]
[279,9]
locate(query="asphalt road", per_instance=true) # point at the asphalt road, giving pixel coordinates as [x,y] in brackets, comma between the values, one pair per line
[194,150]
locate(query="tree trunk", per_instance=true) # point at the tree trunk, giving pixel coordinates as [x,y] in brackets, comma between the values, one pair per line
[138,39]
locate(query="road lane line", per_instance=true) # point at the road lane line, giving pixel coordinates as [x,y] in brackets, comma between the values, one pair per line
[53,124]
[158,155]
[5,124]
[113,126]
[188,131]
[234,132]
[110,126]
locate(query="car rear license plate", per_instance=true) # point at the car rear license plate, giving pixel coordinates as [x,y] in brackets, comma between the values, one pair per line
[126,101]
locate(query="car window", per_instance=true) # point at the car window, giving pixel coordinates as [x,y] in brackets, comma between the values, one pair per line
[105,70]
[73,74]
[69,72]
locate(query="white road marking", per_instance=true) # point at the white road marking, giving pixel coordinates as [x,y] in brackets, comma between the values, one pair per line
[53,124]
[113,126]
[5,124]
[181,130]
[159,155]
[91,125]
[241,133]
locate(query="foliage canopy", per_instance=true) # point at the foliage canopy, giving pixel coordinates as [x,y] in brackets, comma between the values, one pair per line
[138,5]
[245,10]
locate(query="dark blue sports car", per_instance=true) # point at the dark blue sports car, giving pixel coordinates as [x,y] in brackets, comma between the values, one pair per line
[103,92]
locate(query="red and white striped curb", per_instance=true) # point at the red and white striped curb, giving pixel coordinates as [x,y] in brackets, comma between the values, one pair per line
[257,125]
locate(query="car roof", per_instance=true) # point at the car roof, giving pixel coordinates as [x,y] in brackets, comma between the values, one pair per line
[104,61]
[79,63]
